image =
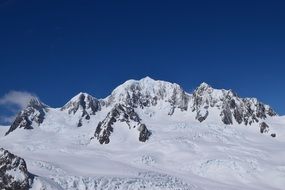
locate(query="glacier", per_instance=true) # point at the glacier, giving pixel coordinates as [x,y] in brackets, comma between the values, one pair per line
[208,139]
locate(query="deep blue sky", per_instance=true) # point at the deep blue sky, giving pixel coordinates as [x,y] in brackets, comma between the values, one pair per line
[56,49]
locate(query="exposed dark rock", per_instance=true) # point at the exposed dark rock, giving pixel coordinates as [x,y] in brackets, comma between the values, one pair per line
[87,117]
[123,114]
[13,172]
[179,99]
[232,107]
[260,111]
[85,103]
[270,112]
[227,116]
[273,135]
[33,115]
[89,104]
[103,132]
[144,133]
[201,117]
[264,128]
[238,115]
[79,123]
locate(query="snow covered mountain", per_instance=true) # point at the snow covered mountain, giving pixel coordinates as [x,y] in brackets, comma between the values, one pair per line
[148,93]
[159,96]
[32,116]
[82,106]
[231,107]
[151,134]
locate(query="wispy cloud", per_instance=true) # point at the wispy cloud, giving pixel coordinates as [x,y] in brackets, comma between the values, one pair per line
[7,119]
[17,98]
[14,101]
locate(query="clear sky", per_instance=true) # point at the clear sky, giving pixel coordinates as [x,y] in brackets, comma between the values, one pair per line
[55,49]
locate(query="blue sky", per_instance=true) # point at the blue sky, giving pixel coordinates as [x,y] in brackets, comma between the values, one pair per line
[55,49]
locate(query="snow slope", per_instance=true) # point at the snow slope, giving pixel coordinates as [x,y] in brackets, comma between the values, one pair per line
[181,153]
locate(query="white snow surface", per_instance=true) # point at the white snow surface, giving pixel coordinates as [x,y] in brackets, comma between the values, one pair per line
[181,154]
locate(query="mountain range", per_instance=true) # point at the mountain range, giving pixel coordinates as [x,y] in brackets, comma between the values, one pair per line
[147,134]
[144,94]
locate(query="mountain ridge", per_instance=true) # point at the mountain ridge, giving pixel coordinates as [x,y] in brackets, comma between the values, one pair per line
[161,96]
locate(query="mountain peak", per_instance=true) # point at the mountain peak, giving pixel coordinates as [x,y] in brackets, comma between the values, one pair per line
[231,107]
[149,92]
[80,95]
[147,79]
[204,87]
[146,84]
[35,103]
[33,115]
[84,104]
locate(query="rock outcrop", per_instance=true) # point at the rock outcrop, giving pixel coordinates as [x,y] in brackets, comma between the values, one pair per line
[13,172]
[264,128]
[83,105]
[120,113]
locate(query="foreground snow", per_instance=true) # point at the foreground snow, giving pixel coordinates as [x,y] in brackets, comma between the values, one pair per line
[181,154]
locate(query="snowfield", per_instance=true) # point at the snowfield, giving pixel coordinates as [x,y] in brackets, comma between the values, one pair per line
[208,140]
[181,154]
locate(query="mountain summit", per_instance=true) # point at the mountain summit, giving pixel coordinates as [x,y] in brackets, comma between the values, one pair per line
[230,107]
[148,92]
[31,116]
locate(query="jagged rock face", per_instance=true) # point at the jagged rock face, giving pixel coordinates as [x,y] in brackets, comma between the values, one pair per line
[201,102]
[33,115]
[144,133]
[231,107]
[123,114]
[83,104]
[148,92]
[264,128]
[13,172]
